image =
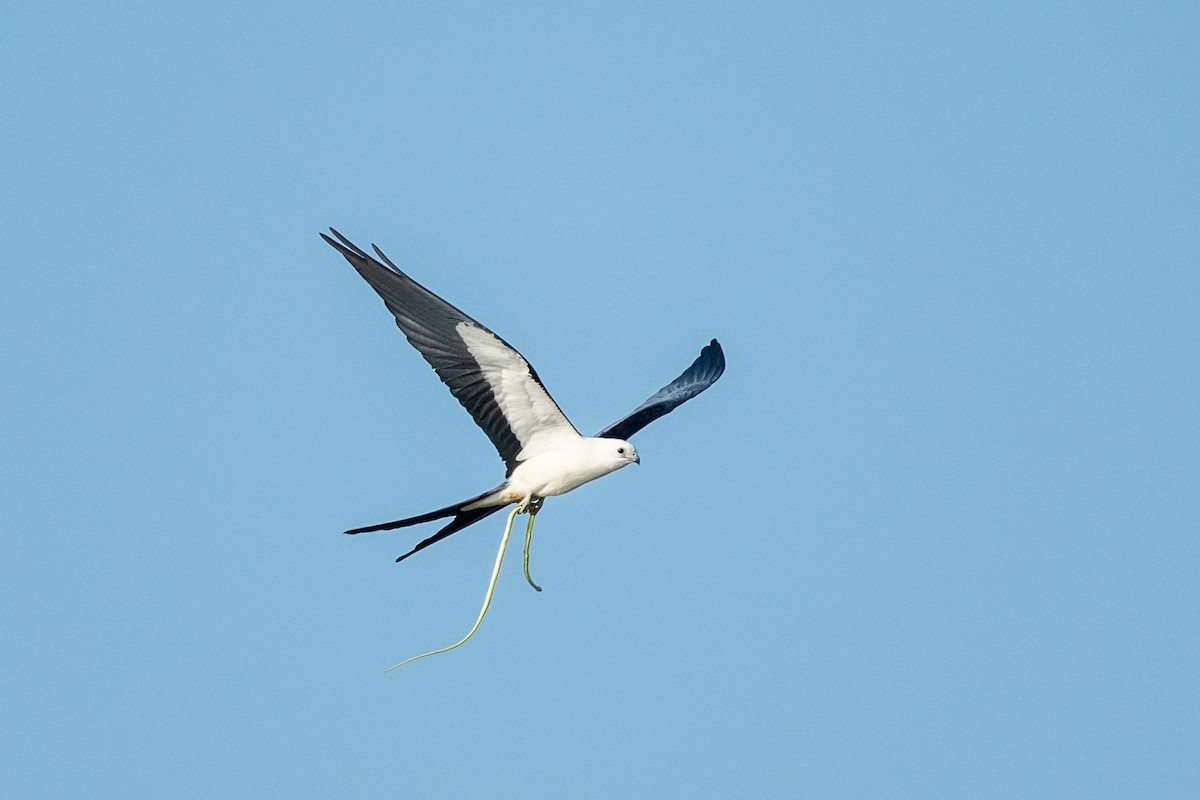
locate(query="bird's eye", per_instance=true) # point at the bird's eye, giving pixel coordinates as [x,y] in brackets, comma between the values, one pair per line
[621,450]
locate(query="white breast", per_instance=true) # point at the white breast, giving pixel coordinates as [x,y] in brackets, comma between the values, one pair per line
[564,468]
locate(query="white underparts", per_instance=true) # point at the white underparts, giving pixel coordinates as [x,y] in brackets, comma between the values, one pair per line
[573,463]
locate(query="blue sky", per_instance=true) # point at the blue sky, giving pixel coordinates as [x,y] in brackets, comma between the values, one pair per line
[934,534]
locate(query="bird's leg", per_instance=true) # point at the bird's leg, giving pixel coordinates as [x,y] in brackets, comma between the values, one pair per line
[534,507]
[487,599]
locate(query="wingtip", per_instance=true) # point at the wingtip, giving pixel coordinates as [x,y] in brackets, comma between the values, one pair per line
[338,245]
[384,258]
[714,352]
[350,250]
[343,244]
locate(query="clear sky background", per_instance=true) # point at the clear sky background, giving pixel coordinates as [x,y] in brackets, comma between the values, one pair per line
[934,534]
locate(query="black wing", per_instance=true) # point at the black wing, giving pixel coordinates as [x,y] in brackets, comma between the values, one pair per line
[515,414]
[702,374]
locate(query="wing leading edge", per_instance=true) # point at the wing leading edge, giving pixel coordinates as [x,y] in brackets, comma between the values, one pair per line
[492,381]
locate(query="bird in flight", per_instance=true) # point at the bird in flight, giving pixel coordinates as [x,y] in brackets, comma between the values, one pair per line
[544,455]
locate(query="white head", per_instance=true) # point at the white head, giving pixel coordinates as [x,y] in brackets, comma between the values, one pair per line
[620,452]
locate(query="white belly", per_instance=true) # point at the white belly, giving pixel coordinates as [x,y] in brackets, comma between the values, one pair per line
[562,469]
[555,473]
[568,466]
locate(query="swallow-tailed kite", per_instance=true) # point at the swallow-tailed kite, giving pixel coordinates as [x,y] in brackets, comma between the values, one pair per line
[543,453]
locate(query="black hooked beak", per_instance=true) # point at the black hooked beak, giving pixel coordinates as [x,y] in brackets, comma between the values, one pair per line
[637,459]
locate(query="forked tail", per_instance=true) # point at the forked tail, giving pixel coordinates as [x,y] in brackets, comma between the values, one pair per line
[461,520]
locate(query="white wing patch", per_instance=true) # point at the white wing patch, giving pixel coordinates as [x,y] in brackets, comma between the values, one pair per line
[536,421]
